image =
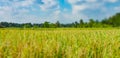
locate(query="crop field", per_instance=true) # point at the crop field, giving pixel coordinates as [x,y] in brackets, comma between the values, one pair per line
[60,43]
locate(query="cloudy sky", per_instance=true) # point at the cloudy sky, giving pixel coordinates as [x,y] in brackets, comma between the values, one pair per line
[38,11]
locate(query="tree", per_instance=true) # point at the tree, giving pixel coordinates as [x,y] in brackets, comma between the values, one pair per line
[96,21]
[115,20]
[76,24]
[104,21]
[46,24]
[1,26]
[5,24]
[27,25]
[81,23]
[35,25]
[52,25]
[91,23]
[57,24]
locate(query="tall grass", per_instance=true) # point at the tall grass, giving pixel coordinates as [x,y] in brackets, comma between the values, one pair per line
[60,43]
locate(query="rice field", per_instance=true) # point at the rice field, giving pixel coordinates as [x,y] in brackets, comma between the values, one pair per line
[60,43]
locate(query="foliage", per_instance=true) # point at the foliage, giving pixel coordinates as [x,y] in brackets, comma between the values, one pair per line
[113,21]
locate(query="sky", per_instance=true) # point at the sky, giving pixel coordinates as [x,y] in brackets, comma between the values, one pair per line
[65,11]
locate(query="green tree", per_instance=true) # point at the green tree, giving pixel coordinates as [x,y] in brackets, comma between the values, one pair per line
[46,24]
[52,25]
[91,23]
[115,20]
[27,25]
[35,25]
[1,26]
[81,23]
[57,24]
[76,24]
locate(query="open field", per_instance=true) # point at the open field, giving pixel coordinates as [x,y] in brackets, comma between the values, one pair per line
[60,43]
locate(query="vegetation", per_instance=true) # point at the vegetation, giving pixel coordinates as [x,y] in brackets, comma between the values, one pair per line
[113,21]
[60,43]
[74,40]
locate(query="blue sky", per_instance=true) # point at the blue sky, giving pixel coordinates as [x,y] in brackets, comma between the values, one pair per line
[65,11]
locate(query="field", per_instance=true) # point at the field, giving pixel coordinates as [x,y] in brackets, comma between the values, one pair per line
[60,43]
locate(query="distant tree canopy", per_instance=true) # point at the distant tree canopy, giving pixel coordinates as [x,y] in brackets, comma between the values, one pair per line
[58,24]
[1,26]
[81,23]
[113,21]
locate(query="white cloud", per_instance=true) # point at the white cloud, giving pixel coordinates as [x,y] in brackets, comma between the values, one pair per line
[78,5]
[74,1]
[15,6]
[11,8]
[57,12]
[5,10]
[79,1]
[17,10]
[112,1]
[117,8]
[77,8]
[18,3]
[91,0]
[24,3]
[49,4]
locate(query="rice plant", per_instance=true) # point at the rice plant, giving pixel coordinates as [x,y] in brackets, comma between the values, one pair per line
[60,43]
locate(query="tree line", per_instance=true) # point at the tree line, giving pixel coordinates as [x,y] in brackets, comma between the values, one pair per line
[113,21]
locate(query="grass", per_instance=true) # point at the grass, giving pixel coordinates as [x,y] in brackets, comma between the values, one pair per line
[60,43]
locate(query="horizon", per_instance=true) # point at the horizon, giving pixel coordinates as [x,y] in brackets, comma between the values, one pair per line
[65,11]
